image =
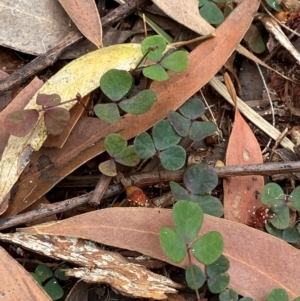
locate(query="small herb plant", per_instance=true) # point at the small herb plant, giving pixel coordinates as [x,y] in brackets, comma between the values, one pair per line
[166,134]
[158,63]
[20,123]
[199,180]
[185,124]
[163,143]
[44,276]
[116,147]
[210,11]
[115,84]
[280,204]
[279,294]
[254,39]
[182,241]
[274,4]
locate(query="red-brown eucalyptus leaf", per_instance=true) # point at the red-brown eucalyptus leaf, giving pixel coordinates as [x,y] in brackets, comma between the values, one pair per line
[56,119]
[20,123]
[16,283]
[259,262]
[49,166]
[84,14]
[240,193]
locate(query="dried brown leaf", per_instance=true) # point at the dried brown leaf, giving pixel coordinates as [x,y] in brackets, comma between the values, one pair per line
[84,14]
[34,25]
[16,283]
[49,166]
[240,193]
[186,13]
[259,262]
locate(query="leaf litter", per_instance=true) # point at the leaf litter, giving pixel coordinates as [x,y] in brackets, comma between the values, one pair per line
[123,227]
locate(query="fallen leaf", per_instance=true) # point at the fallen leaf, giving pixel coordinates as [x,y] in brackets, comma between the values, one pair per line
[259,262]
[34,26]
[84,14]
[240,193]
[86,141]
[16,283]
[5,98]
[186,13]
[103,266]
[66,83]
[79,292]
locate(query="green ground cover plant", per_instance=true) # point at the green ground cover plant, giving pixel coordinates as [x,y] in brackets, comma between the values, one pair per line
[115,84]
[192,201]
[210,11]
[45,277]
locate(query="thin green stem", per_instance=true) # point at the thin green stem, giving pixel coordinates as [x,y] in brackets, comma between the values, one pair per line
[188,248]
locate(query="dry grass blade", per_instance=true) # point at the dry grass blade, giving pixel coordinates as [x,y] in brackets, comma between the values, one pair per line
[251,114]
[273,27]
[230,88]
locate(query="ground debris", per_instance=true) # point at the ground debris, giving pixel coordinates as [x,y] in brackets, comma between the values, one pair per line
[98,265]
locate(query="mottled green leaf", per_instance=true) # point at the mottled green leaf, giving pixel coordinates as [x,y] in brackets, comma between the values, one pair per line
[108,112]
[115,84]
[140,103]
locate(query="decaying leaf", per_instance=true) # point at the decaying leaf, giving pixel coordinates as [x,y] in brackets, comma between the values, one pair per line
[98,265]
[34,26]
[186,13]
[69,81]
[16,283]
[86,141]
[84,14]
[240,193]
[259,262]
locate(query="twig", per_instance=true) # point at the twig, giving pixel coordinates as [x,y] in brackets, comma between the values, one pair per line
[100,189]
[146,179]
[280,23]
[277,142]
[270,102]
[39,63]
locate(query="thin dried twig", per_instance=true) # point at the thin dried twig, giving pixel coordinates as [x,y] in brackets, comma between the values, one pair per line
[146,179]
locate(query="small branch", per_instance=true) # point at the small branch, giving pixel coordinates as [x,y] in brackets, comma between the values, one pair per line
[146,179]
[39,63]
[47,210]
